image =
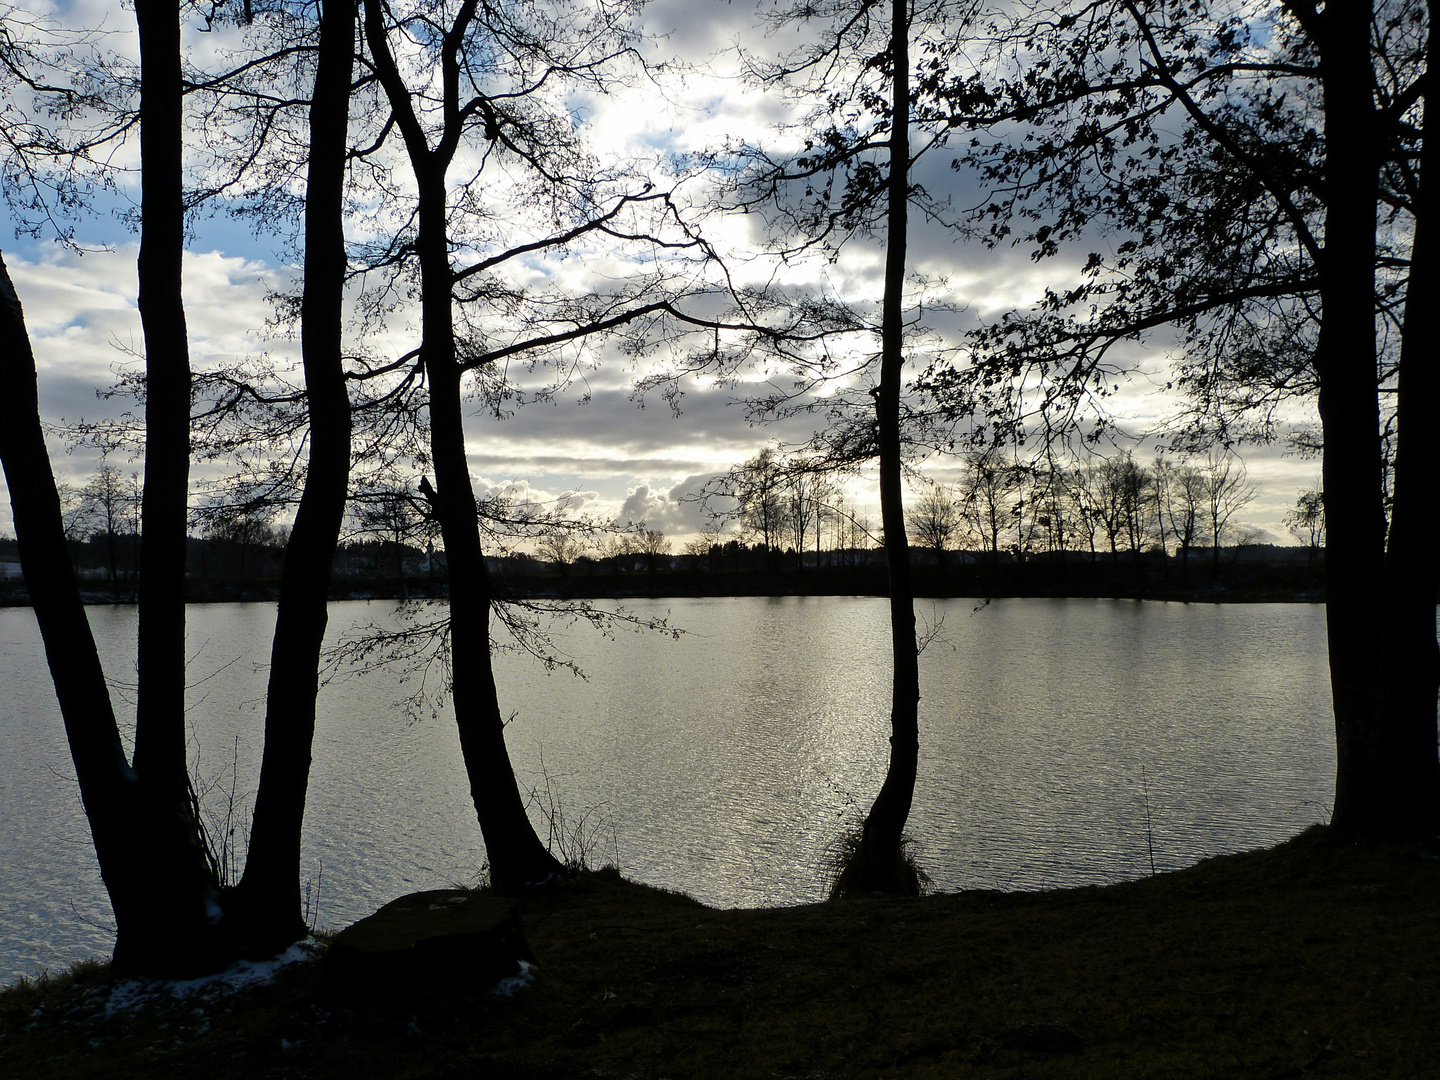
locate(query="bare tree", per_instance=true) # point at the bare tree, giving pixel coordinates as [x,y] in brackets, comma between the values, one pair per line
[985,500]
[1083,502]
[1228,490]
[652,546]
[758,488]
[934,521]
[109,510]
[1306,522]
[562,547]
[707,544]
[616,549]
[1184,509]
[173,912]
[494,79]
[855,177]
[1275,210]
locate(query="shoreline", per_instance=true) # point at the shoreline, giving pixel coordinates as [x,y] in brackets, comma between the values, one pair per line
[1237,583]
[1309,958]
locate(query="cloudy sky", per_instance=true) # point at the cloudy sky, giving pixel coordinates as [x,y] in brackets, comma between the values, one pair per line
[611,457]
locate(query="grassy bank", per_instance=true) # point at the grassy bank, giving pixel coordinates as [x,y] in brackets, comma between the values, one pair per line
[1317,958]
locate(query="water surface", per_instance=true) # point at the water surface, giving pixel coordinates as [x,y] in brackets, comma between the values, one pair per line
[1062,743]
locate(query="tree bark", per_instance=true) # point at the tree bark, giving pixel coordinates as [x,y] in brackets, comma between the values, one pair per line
[268,897]
[1352,463]
[1410,677]
[885,824]
[160,721]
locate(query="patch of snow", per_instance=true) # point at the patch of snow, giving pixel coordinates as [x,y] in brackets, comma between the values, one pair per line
[247,973]
[513,984]
[132,993]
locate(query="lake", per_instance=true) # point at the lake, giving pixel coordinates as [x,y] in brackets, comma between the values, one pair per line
[1062,743]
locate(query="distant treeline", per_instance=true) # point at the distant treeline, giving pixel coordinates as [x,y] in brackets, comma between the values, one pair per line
[233,569]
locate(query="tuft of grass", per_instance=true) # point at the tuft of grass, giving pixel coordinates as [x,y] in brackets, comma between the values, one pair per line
[850,873]
[26,994]
[582,840]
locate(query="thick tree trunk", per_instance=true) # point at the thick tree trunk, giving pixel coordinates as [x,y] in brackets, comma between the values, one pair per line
[268,898]
[1410,678]
[1353,467]
[885,824]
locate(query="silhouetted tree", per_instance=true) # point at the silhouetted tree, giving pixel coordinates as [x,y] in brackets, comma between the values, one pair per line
[1247,168]
[562,547]
[854,176]
[652,546]
[172,914]
[1228,490]
[1306,522]
[268,893]
[109,510]
[147,836]
[934,521]
[1184,502]
[985,492]
[498,77]
[757,487]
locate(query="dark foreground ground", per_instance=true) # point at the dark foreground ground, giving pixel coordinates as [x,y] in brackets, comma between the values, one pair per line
[1317,958]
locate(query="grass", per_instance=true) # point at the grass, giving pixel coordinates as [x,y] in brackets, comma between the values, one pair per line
[1316,958]
[850,877]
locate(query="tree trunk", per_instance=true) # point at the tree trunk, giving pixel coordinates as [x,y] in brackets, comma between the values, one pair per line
[268,897]
[885,824]
[159,885]
[160,723]
[1410,677]
[1352,464]
[516,855]
[178,902]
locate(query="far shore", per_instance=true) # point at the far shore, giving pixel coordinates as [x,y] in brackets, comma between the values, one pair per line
[1231,582]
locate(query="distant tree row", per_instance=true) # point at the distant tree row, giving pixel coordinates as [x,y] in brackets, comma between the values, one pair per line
[1113,506]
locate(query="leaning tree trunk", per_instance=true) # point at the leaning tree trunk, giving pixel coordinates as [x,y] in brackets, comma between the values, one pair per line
[879,863]
[159,884]
[1352,464]
[143,821]
[515,853]
[1410,678]
[268,897]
